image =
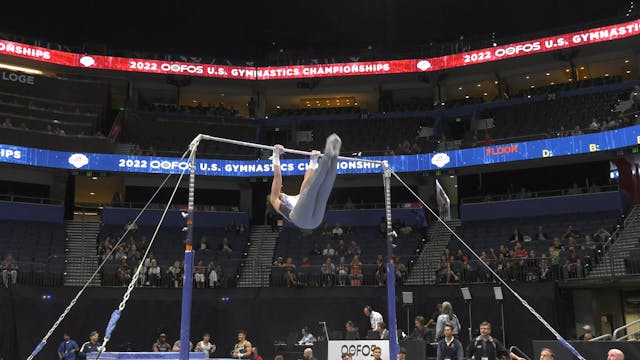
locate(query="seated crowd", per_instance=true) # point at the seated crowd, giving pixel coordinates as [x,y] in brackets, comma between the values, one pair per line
[337,258]
[160,271]
[536,256]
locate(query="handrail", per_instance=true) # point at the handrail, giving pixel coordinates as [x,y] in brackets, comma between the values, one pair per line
[623,327]
[538,194]
[602,337]
[628,335]
[522,353]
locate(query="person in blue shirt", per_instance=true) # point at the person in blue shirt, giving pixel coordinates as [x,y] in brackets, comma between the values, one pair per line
[68,348]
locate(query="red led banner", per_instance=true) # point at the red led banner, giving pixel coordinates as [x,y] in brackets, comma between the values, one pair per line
[579,38]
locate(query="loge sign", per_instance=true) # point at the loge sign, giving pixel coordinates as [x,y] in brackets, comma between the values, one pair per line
[556,42]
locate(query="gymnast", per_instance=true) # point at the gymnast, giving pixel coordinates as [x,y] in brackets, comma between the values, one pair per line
[306,210]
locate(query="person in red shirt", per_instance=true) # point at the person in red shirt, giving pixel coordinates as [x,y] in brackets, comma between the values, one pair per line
[256,354]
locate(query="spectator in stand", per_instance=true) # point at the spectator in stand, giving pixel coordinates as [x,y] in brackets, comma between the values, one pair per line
[342,272]
[573,265]
[124,272]
[516,236]
[381,271]
[356,276]
[601,236]
[131,226]
[595,125]
[175,274]
[204,244]
[415,149]
[540,234]
[401,270]
[354,249]
[199,274]
[154,276]
[328,271]
[328,251]
[325,229]
[342,249]
[544,267]
[337,231]
[289,274]
[215,274]
[586,332]
[120,253]
[316,251]
[570,232]
[225,247]
[443,271]
[388,151]
[558,244]
[9,270]
[176,346]
[554,260]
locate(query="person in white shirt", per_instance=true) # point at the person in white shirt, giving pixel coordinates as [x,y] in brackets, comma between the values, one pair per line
[307,337]
[374,317]
[205,346]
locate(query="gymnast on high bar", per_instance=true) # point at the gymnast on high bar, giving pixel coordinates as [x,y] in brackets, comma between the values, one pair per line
[306,210]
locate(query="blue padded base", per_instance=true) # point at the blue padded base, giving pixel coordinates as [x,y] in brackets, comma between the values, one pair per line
[147,356]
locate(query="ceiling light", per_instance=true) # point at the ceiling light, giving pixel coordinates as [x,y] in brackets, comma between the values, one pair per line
[355,103]
[277,106]
[485,94]
[532,86]
[628,71]
[466,97]
[567,70]
[496,82]
[606,74]
[21,69]
[581,67]
[548,74]
[552,83]
[92,193]
[584,77]
[460,88]
[527,77]
[95,178]
[479,85]
[626,61]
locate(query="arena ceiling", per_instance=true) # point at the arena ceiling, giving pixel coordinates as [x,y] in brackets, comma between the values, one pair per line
[251,29]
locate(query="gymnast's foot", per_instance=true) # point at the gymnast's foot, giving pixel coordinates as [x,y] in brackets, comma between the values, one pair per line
[333,145]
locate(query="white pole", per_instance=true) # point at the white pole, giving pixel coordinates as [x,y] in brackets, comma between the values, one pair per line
[267,147]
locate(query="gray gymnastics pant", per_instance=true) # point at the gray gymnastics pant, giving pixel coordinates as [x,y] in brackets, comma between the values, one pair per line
[309,211]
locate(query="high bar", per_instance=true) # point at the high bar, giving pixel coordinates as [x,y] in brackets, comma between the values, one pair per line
[200,137]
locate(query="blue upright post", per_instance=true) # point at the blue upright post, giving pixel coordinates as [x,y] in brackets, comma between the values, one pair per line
[391,274]
[187,287]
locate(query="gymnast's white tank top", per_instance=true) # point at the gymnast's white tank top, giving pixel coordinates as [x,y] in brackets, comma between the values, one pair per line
[287,204]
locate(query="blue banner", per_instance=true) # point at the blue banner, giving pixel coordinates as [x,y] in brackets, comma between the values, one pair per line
[561,146]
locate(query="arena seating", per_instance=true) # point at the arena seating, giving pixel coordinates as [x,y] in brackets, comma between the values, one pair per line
[37,247]
[170,134]
[169,247]
[298,244]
